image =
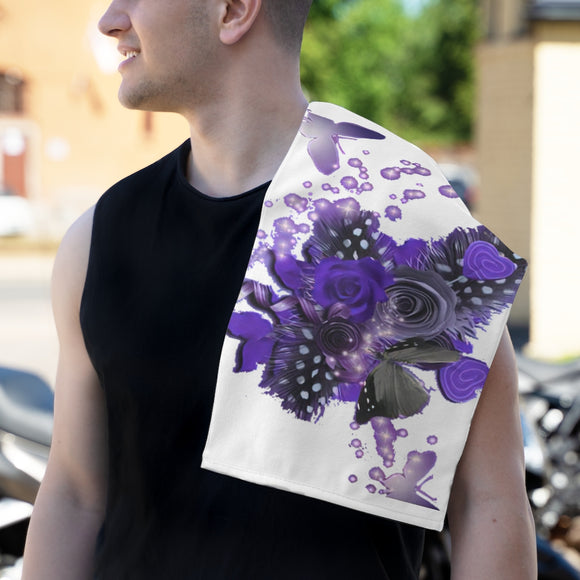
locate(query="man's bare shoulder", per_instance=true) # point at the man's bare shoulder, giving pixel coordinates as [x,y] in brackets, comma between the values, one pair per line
[71,262]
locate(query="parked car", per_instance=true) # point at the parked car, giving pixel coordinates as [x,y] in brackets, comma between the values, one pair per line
[463,179]
[16,216]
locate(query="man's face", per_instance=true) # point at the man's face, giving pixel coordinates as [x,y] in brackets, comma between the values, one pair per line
[168,47]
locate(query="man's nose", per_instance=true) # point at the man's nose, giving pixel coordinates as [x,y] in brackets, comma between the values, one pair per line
[114,20]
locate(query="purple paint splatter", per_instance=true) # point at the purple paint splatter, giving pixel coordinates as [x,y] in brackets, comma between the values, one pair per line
[393,213]
[447,191]
[409,194]
[297,203]
[391,173]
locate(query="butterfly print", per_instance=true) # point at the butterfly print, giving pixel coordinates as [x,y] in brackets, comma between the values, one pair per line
[393,391]
[407,486]
[325,135]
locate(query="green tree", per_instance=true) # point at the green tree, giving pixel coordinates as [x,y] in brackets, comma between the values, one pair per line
[414,75]
[354,54]
[448,62]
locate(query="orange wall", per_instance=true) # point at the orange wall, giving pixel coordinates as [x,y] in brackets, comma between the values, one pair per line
[81,139]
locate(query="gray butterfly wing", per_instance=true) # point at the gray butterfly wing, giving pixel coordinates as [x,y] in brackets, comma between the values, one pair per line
[423,354]
[390,391]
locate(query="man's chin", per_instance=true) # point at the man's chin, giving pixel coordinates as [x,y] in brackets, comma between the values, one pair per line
[132,101]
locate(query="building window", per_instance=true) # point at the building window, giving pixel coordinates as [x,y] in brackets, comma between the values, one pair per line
[11,92]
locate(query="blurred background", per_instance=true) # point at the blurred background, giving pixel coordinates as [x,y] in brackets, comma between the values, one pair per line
[490,88]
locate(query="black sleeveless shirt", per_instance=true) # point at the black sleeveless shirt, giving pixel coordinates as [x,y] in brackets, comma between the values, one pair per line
[165,268]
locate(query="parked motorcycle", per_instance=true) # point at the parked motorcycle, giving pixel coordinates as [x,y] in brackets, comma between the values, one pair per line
[26,419]
[552,396]
[550,418]
[550,403]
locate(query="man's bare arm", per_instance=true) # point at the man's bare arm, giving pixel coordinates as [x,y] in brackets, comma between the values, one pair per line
[491,525]
[70,504]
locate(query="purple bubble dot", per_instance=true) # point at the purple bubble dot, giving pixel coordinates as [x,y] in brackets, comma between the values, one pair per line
[371,488]
[354,162]
[377,474]
[405,162]
[326,186]
[349,182]
[359,453]
[432,439]
[413,194]
[261,234]
[268,203]
[307,184]
[356,443]
[402,433]
[381,423]
[422,170]
[335,190]
[393,196]
[354,426]
[393,213]
[367,186]
[297,203]
[366,151]
[353,478]
[382,491]
[364,175]
[391,173]
[447,191]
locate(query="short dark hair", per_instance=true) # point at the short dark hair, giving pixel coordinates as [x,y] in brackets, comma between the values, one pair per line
[287,19]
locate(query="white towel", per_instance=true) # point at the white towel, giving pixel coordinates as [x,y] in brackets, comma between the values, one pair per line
[371,310]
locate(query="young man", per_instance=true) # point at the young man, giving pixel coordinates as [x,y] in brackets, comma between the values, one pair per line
[144,286]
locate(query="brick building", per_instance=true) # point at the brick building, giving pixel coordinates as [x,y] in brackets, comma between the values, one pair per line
[528,144]
[64,138]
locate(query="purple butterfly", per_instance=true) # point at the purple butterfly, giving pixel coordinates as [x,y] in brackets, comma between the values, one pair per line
[407,486]
[325,135]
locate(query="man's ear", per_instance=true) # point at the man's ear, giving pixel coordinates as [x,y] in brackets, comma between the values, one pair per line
[237,18]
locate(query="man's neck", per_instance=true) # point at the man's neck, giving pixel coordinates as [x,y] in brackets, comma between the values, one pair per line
[239,141]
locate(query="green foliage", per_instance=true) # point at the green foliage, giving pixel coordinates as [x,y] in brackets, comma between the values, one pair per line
[414,75]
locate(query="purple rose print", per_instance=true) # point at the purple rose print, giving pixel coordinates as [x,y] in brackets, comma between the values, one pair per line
[420,304]
[350,318]
[359,284]
[357,318]
[461,380]
[482,261]
[339,337]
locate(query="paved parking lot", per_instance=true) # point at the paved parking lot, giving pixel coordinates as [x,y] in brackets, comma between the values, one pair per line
[27,335]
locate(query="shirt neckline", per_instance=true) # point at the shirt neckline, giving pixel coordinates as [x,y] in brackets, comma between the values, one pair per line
[183,154]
